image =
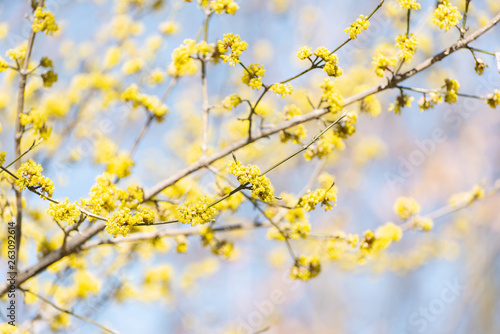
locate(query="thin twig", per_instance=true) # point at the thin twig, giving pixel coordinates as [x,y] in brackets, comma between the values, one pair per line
[69,312]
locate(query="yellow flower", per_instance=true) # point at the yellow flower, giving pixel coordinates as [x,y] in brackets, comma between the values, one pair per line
[357,27]
[261,186]
[409,4]
[494,99]
[322,196]
[182,60]
[132,66]
[402,101]
[331,95]
[452,87]
[304,52]
[181,243]
[252,76]
[157,76]
[198,212]
[235,44]
[282,89]
[405,207]
[123,220]
[228,6]
[305,268]
[63,211]
[407,45]
[151,103]
[44,21]
[18,54]
[466,198]
[30,175]
[446,16]
[382,63]
[425,224]
[120,165]
[231,101]
[168,27]
[122,26]
[85,284]
[425,103]
[3,65]
[60,321]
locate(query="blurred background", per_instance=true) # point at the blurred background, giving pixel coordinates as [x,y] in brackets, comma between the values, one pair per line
[442,281]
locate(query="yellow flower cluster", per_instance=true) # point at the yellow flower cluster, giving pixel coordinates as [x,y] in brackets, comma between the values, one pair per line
[304,52]
[425,103]
[228,6]
[347,126]
[402,101]
[407,45]
[446,16]
[409,4]
[252,76]
[44,21]
[2,158]
[18,54]
[337,246]
[120,165]
[331,66]
[222,248]
[157,281]
[49,78]
[121,221]
[3,65]
[373,243]
[282,89]
[235,44]
[494,99]
[451,87]
[151,103]
[181,243]
[480,66]
[357,27]
[231,101]
[382,63]
[295,230]
[467,197]
[305,268]
[231,203]
[168,27]
[370,105]
[331,96]
[104,195]
[60,322]
[261,186]
[124,26]
[30,175]
[63,211]
[182,59]
[405,207]
[6,209]
[155,77]
[425,224]
[296,133]
[198,212]
[85,284]
[311,199]
[37,118]
[326,144]
[133,66]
